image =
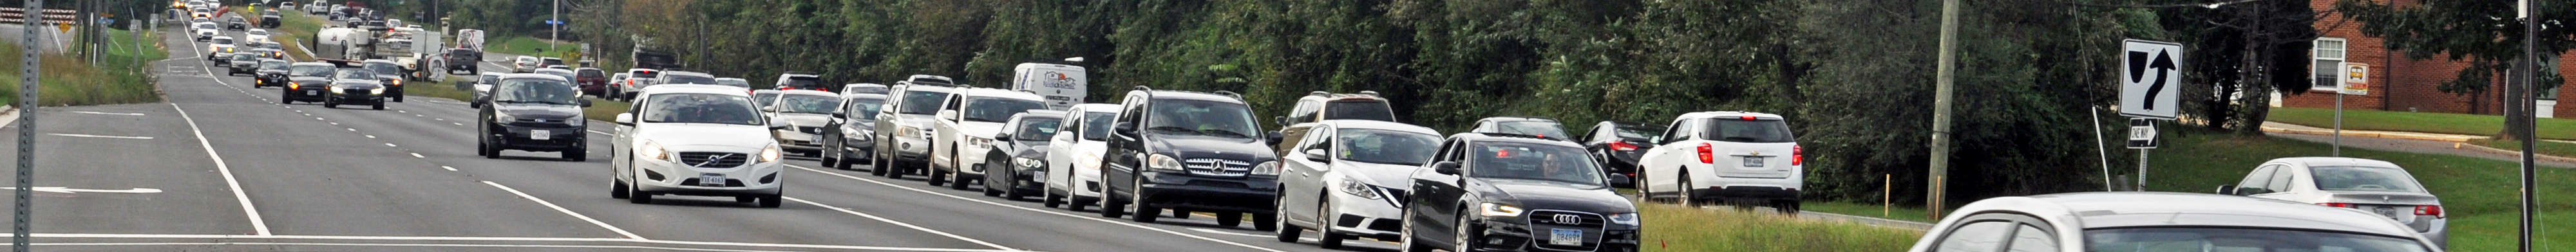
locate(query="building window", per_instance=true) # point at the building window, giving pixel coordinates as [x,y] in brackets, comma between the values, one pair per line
[2329,55]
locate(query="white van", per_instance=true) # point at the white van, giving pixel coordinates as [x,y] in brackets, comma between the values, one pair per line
[1062,85]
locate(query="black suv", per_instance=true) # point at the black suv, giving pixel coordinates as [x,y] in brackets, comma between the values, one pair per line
[534,112]
[1189,151]
[1508,192]
[463,60]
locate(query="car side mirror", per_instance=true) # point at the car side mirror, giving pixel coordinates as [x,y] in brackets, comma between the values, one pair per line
[1125,128]
[771,108]
[1445,167]
[1272,138]
[1283,120]
[2227,189]
[840,114]
[627,119]
[585,103]
[1318,155]
[777,125]
[950,115]
[1621,180]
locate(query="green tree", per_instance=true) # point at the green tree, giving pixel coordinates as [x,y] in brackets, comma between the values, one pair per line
[2483,33]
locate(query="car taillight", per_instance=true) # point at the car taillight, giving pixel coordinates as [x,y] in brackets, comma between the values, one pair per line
[1748,118]
[1797,155]
[2342,205]
[1622,146]
[2429,210]
[786,88]
[1706,155]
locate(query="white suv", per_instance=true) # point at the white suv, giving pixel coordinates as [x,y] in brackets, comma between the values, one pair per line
[1728,157]
[901,141]
[1073,156]
[965,128]
[700,140]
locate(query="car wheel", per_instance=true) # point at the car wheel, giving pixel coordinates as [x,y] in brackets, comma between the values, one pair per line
[635,195]
[831,157]
[1466,234]
[1323,226]
[285,99]
[937,177]
[1110,207]
[481,146]
[379,106]
[771,201]
[989,189]
[328,102]
[877,165]
[576,154]
[1048,198]
[894,169]
[1405,239]
[616,189]
[1144,213]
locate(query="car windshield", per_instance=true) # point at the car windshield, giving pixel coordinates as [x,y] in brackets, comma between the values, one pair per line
[1742,131]
[1533,128]
[764,98]
[1095,125]
[688,79]
[384,68]
[804,82]
[1384,146]
[223,41]
[535,90]
[2364,178]
[2231,239]
[734,83]
[205,26]
[353,73]
[309,71]
[997,109]
[1507,160]
[245,57]
[701,108]
[1036,129]
[866,109]
[1214,118]
[589,73]
[1638,132]
[1374,110]
[809,104]
[922,102]
[257,33]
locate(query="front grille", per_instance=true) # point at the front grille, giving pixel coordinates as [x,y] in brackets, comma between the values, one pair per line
[1544,222]
[713,159]
[810,130]
[543,122]
[1216,167]
[354,90]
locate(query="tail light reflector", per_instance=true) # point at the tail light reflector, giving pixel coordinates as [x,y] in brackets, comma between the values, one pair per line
[1706,154]
[1797,155]
[2431,210]
[2342,205]
[1622,146]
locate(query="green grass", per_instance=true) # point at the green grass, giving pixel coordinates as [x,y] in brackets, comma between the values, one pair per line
[2446,123]
[292,33]
[2546,147]
[1675,228]
[118,77]
[1872,210]
[2479,194]
[523,45]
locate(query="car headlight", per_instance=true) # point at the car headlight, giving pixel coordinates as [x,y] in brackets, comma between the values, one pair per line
[337,90]
[576,121]
[376,91]
[1498,210]
[1629,219]
[653,151]
[907,131]
[1355,188]
[503,118]
[1266,168]
[293,85]
[397,82]
[1162,162]
[1031,162]
[977,142]
[769,154]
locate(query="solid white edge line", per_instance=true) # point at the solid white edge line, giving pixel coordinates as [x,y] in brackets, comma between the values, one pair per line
[565,211]
[899,223]
[1040,211]
[597,132]
[107,113]
[448,168]
[99,136]
[417,155]
[437,245]
[455,238]
[256,223]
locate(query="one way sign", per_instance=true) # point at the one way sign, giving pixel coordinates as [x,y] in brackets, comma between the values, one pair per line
[2150,78]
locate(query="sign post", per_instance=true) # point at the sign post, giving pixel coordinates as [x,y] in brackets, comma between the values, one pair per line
[2150,79]
[2355,80]
[27,87]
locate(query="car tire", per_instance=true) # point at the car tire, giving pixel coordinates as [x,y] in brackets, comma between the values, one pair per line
[1323,226]
[1683,193]
[831,150]
[378,106]
[894,169]
[635,195]
[772,201]
[1048,198]
[937,177]
[616,189]
[877,166]
[1289,232]
[397,98]
[283,98]
[1405,241]
[1265,222]
[328,103]
[577,154]
[1144,213]
[1110,207]
[1228,219]
[481,146]
[989,189]
[745,199]
[1466,234]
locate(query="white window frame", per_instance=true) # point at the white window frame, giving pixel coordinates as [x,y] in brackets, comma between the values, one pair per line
[2316,53]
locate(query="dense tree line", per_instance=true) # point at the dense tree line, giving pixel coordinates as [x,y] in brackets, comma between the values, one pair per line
[1855,76]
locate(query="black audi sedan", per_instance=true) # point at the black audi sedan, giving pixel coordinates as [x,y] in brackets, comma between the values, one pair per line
[532,112]
[271,72]
[355,86]
[1502,192]
[305,82]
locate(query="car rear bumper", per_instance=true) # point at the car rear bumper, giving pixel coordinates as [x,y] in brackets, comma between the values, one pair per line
[525,138]
[1744,193]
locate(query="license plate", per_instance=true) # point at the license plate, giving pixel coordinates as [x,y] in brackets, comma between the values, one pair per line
[711,179]
[1752,161]
[2391,212]
[1041,176]
[312,92]
[1566,237]
[540,135]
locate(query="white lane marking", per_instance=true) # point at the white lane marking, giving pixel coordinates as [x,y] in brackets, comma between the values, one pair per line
[522,195]
[371,136]
[899,223]
[335,123]
[247,209]
[516,239]
[107,113]
[1117,222]
[99,136]
[352,129]
[597,132]
[448,168]
[440,119]
[392,145]
[315,118]
[58,189]
[436,245]
[1227,233]
[418,115]
[403,111]
[413,155]
[458,124]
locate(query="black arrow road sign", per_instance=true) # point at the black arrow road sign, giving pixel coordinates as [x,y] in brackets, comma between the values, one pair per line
[2142,95]
[2163,65]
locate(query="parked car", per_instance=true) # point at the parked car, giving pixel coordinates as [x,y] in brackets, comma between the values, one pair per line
[1189,151]
[1319,106]
[799,81]
[1617,145]
[392,75]
[735,82]
[355,86]
[525,64]
[272,72]
[2160,221]
[242,63]
[2373,186]
[1348,178]
[852,131]
[533,112]
[805,112]
[1018,157]
[864,88]
[1074,155]
[902,136]
[591,80]
[1728,157]
[1516,193]
[964,131]
[298,74]
[1527,126]
[699,140]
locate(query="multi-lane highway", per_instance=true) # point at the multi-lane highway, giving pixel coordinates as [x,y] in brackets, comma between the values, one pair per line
[224,166]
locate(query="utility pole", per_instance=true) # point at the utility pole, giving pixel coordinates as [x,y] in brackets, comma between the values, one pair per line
[1947,74]
[2530,76]
[27,87]
[554,28]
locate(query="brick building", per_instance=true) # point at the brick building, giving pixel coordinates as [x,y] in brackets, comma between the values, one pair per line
[2397,83]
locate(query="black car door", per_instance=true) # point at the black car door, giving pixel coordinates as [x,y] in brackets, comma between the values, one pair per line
[1126,145]
[1435,196]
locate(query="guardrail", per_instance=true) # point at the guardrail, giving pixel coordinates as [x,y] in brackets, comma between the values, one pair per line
[51,16]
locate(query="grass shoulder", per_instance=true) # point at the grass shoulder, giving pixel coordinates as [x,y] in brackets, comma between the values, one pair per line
[118,77]
[1675,228]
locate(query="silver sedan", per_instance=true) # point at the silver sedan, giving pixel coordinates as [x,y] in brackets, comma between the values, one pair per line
[2373,186]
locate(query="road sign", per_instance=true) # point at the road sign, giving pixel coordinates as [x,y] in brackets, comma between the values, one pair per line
[2356,79]
[2142,133]
[2150,76]
[554,22]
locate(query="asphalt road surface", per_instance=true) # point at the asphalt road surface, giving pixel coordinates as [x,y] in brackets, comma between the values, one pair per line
[224,167]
